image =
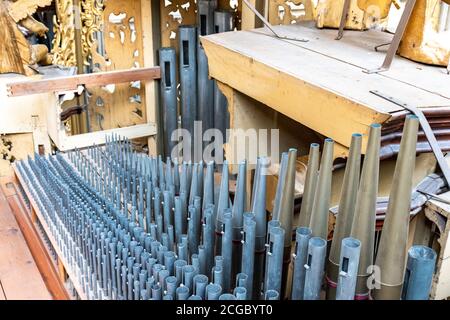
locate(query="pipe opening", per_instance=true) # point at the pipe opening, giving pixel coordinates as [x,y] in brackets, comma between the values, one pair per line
[352,243]
[185,45]
[167,80]
[317,242]
[203,24]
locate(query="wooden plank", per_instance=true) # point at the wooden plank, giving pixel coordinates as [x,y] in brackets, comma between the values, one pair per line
[93,79]
[19,275]
[70,272]
[357,48]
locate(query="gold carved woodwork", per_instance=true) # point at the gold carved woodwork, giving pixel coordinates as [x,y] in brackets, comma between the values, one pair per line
[92,22]
[422,42]
[288,12]
[64,50]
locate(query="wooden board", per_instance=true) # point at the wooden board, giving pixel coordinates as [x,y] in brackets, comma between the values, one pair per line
[19,276]
[16,89]
[326,93]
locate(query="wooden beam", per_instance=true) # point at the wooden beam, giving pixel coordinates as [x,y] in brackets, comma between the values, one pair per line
[71,83]
[148,48]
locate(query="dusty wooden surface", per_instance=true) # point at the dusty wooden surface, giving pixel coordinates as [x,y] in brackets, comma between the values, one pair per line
[321,83]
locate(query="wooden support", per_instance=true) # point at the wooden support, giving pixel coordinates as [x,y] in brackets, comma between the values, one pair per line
[71,83]
[35,244]
[149,60]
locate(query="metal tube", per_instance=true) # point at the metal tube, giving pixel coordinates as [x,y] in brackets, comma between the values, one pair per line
[188,80]
[223,203]
[178,219]
[171,285]
[391,256]
[363,225]
[240,293]
[213,291]
[188,277]
[314,268]
[321,205]
[284,211]
[241,280]
[271,295]
[208,186]
[348,269]
[182,293]
[227,296]
[169,260]
[303,235]
[239,207]
[205,20]
[248,251]
[227,247]
[259,209]
[419,273]
[179,265]
[217,272]
[200,283]
[208,238]
[310,185]
[274,259]
[346,212]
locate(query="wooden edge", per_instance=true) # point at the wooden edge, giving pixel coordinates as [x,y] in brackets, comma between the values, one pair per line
[34,242]
[71,273]
[15,89]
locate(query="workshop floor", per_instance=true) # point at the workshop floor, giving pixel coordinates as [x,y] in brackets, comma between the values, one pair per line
[20,278]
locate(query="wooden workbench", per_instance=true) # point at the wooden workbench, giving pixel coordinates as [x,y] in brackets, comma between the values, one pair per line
[320,84]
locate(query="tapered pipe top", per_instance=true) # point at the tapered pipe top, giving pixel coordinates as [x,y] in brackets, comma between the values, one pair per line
[194,184]
[310,185]
[391,257]
[284,209]
[224,197]
[239,200]
[363,226]
[346,205]
[321,205]
[259,202]
[208,186]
